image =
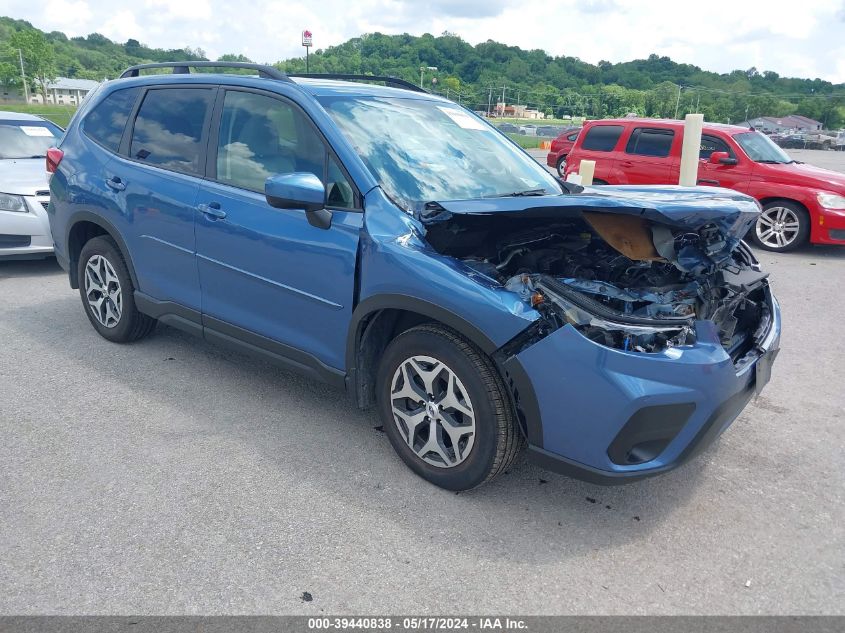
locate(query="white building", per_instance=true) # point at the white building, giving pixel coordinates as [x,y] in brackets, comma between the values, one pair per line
[63,91]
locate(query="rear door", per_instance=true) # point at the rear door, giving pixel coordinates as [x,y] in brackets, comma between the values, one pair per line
[267,271]
[599,144]
[156,181]
[648,157]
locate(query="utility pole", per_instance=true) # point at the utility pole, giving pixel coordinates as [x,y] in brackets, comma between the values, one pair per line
[678,102]
[23,77]
[489,101]
[422,72]
[503,101]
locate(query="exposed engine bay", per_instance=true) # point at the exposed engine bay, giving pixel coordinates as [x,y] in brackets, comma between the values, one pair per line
[621,280]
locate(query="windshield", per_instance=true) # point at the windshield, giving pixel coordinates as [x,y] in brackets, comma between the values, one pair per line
[761,148]
[27,139]
[423,151]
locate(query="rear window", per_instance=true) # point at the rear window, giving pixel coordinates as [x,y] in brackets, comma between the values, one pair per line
[106,122]
[602,138]
[650,142]
[27,139]
[169,128]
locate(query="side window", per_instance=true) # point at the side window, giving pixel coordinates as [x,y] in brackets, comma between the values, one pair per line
[106,122]
[572,136]
[169,128]
[602,138]
[710,144]
[261,136]
[650,142]
[339,192]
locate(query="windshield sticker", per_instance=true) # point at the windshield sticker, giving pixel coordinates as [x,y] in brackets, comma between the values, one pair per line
[462,118]
[36,130]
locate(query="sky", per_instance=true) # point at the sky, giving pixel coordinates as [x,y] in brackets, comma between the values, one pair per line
[796,39]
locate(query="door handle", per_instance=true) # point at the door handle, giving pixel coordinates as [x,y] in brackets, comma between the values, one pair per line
[212,210]
[708,181]
[116,183]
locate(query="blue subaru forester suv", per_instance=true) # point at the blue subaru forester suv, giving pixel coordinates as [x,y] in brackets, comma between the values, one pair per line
[394,244]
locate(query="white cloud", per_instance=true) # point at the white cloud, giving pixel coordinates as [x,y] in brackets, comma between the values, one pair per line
[721,35]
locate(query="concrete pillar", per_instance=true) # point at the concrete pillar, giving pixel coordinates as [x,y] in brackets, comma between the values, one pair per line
[690,150]
[586,169]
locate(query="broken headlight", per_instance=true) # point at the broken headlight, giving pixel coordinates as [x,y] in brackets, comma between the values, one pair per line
[565,306]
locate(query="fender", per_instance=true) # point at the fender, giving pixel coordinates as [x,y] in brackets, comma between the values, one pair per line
[108,227]
[805,196]
[523,399]
[410,304]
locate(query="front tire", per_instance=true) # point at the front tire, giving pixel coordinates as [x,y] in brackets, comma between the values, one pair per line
[782,226]
[561,166]
[108,294]
[445,408]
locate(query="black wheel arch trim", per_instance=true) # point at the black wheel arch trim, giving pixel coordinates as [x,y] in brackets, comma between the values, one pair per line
[517,382]
[111,230]
[377,303]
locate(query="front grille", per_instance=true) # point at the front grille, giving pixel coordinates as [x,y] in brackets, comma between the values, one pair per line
[45,203]
[14,241]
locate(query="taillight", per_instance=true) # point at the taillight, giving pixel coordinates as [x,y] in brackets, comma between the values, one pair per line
[54,157]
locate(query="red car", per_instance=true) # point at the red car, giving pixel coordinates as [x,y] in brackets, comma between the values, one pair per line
[800,203]
[560,148]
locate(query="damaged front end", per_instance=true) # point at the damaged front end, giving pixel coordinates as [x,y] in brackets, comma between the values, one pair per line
[633,269]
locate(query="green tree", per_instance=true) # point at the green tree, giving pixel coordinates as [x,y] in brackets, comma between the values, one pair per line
[39,57]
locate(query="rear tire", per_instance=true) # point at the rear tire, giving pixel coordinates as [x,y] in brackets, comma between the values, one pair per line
[445,408]
[783,226]
[107,293]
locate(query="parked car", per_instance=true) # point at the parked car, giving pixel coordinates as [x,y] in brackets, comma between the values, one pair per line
[548,131]
[561,147]
[800,202]
[530,129]
[24,194]
[440,275]
[508,128]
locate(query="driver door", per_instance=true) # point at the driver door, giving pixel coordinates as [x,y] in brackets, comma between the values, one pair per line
[718,175]
[268,277]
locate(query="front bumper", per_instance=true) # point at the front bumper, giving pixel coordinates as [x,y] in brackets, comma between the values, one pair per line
[611,416]
[26,235]
[830,227]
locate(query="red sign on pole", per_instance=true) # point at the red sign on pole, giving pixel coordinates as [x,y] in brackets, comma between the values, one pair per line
[306,38]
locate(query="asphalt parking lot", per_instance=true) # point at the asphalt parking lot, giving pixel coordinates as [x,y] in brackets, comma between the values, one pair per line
[172,477]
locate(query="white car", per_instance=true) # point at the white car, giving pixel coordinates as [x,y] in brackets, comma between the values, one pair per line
[24,191]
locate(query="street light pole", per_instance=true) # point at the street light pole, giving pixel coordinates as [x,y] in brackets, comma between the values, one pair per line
[23,77]
[422,72]
[678,102]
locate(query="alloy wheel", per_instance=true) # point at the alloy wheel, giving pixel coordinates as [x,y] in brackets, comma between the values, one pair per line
[778,227]
[433,411]
[102,291]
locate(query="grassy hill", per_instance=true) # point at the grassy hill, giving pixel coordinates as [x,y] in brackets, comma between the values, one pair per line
[478,76]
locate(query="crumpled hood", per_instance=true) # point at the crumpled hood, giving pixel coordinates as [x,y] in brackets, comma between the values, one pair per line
[23,176]
[731,213]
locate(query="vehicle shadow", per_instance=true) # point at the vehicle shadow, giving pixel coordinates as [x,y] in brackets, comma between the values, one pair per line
[29,268]
[313,435]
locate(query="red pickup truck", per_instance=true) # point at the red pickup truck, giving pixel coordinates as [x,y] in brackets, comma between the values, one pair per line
[800,203]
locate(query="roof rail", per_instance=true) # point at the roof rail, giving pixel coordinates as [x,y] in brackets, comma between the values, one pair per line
[183,68]
[390,81]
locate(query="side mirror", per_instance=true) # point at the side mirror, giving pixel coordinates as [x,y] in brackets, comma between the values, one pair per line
[300,190]
[722,158]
